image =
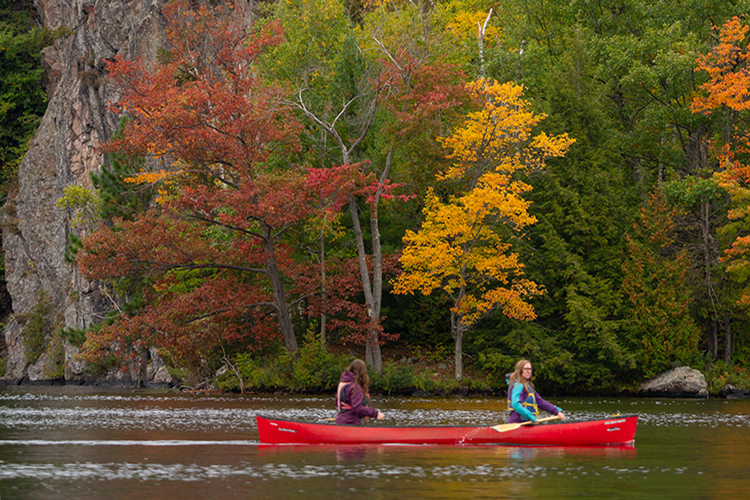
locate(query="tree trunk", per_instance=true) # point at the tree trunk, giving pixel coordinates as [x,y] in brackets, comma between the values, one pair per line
[713,341]
[720,317]
[373,356]
[727,343]
[323,317]
[373,289]
[457,332]
[279,296]
[372,292]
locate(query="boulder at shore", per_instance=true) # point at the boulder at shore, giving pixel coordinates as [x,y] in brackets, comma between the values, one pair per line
[731,392]
[680,382]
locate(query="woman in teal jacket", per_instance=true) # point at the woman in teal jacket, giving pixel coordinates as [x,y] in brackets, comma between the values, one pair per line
[524,402]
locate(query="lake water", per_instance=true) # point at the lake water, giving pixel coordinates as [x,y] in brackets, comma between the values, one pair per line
[74,442]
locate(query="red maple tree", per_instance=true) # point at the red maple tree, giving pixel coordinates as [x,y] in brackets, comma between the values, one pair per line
[214,249]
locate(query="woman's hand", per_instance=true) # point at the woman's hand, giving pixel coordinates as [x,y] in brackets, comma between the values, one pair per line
[380,416]
[561,415]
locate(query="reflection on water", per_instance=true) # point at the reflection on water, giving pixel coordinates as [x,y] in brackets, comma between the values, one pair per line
[70,443]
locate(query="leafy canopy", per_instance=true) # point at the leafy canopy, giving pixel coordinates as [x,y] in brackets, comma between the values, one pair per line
[462,247]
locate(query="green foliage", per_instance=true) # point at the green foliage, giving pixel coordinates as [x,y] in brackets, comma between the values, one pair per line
[693,191]
[422,320]
[496,365]
[396,379]
[56,369]
[718,375]
[22,98]
[101,366]
[84,202]
[315,368]
[321,61]
[75,336]
[116,196]
[75,244]
[657,307]
[258,374]
[39,327]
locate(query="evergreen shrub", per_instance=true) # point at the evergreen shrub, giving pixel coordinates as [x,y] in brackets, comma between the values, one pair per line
[396,379]
[315,368]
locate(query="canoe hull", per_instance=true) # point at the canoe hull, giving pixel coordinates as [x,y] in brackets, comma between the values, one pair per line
[618,430]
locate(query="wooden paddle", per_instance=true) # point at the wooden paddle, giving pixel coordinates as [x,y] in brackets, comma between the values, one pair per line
[512,427]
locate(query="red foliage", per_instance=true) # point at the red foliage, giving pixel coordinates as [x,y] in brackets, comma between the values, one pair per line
[424,99]
[204,105]
[219,264]
[210,257]
[343,302]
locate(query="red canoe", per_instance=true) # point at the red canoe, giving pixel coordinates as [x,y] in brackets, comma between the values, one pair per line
[618,430]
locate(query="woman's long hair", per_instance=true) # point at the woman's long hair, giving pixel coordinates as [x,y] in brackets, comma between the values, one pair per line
[517,377]
[359,369]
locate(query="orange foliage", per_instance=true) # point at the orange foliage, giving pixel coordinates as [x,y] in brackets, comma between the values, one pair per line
[726,66]
[728,87]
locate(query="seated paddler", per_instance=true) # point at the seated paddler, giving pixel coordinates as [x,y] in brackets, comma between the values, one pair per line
[524,403]
[352,399]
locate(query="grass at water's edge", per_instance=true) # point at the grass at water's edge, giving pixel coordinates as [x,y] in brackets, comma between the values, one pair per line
[407,371]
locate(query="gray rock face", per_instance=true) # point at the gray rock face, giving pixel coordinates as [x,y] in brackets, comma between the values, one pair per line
[680,382]
[65,150]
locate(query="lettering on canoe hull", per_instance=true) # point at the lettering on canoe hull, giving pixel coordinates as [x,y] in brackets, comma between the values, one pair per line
[282,429]
[610,422]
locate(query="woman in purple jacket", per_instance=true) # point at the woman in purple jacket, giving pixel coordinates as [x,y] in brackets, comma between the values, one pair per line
[352,397]
[523,401]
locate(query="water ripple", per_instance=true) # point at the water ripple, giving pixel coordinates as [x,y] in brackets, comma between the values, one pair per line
[195,472]
[237,413]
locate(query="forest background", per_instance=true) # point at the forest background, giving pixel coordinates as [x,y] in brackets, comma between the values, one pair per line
[473,182]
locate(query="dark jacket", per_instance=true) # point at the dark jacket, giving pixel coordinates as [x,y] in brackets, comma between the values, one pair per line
[353,410]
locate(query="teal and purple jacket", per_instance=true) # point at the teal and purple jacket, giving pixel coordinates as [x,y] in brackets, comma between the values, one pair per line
[524,406]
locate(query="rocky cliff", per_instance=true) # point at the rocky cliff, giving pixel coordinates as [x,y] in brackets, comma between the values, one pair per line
[65,150]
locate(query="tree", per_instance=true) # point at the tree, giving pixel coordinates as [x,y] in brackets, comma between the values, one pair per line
[22,98]
[463,245]
[361,94]
[658,296]
[214,245]
[337,104]
[726,92]
[619,78]
[216,266]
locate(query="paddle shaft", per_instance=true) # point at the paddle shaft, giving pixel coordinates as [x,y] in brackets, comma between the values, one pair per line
[510,427]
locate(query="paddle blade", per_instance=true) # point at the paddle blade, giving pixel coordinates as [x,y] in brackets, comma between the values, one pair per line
[510,427]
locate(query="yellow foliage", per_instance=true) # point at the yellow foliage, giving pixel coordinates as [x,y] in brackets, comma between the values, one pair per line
[465,26]
[459,249]
[170,180]
[498,136]
[144,177]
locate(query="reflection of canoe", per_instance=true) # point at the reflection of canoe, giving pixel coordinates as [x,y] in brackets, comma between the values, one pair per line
[618,430]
